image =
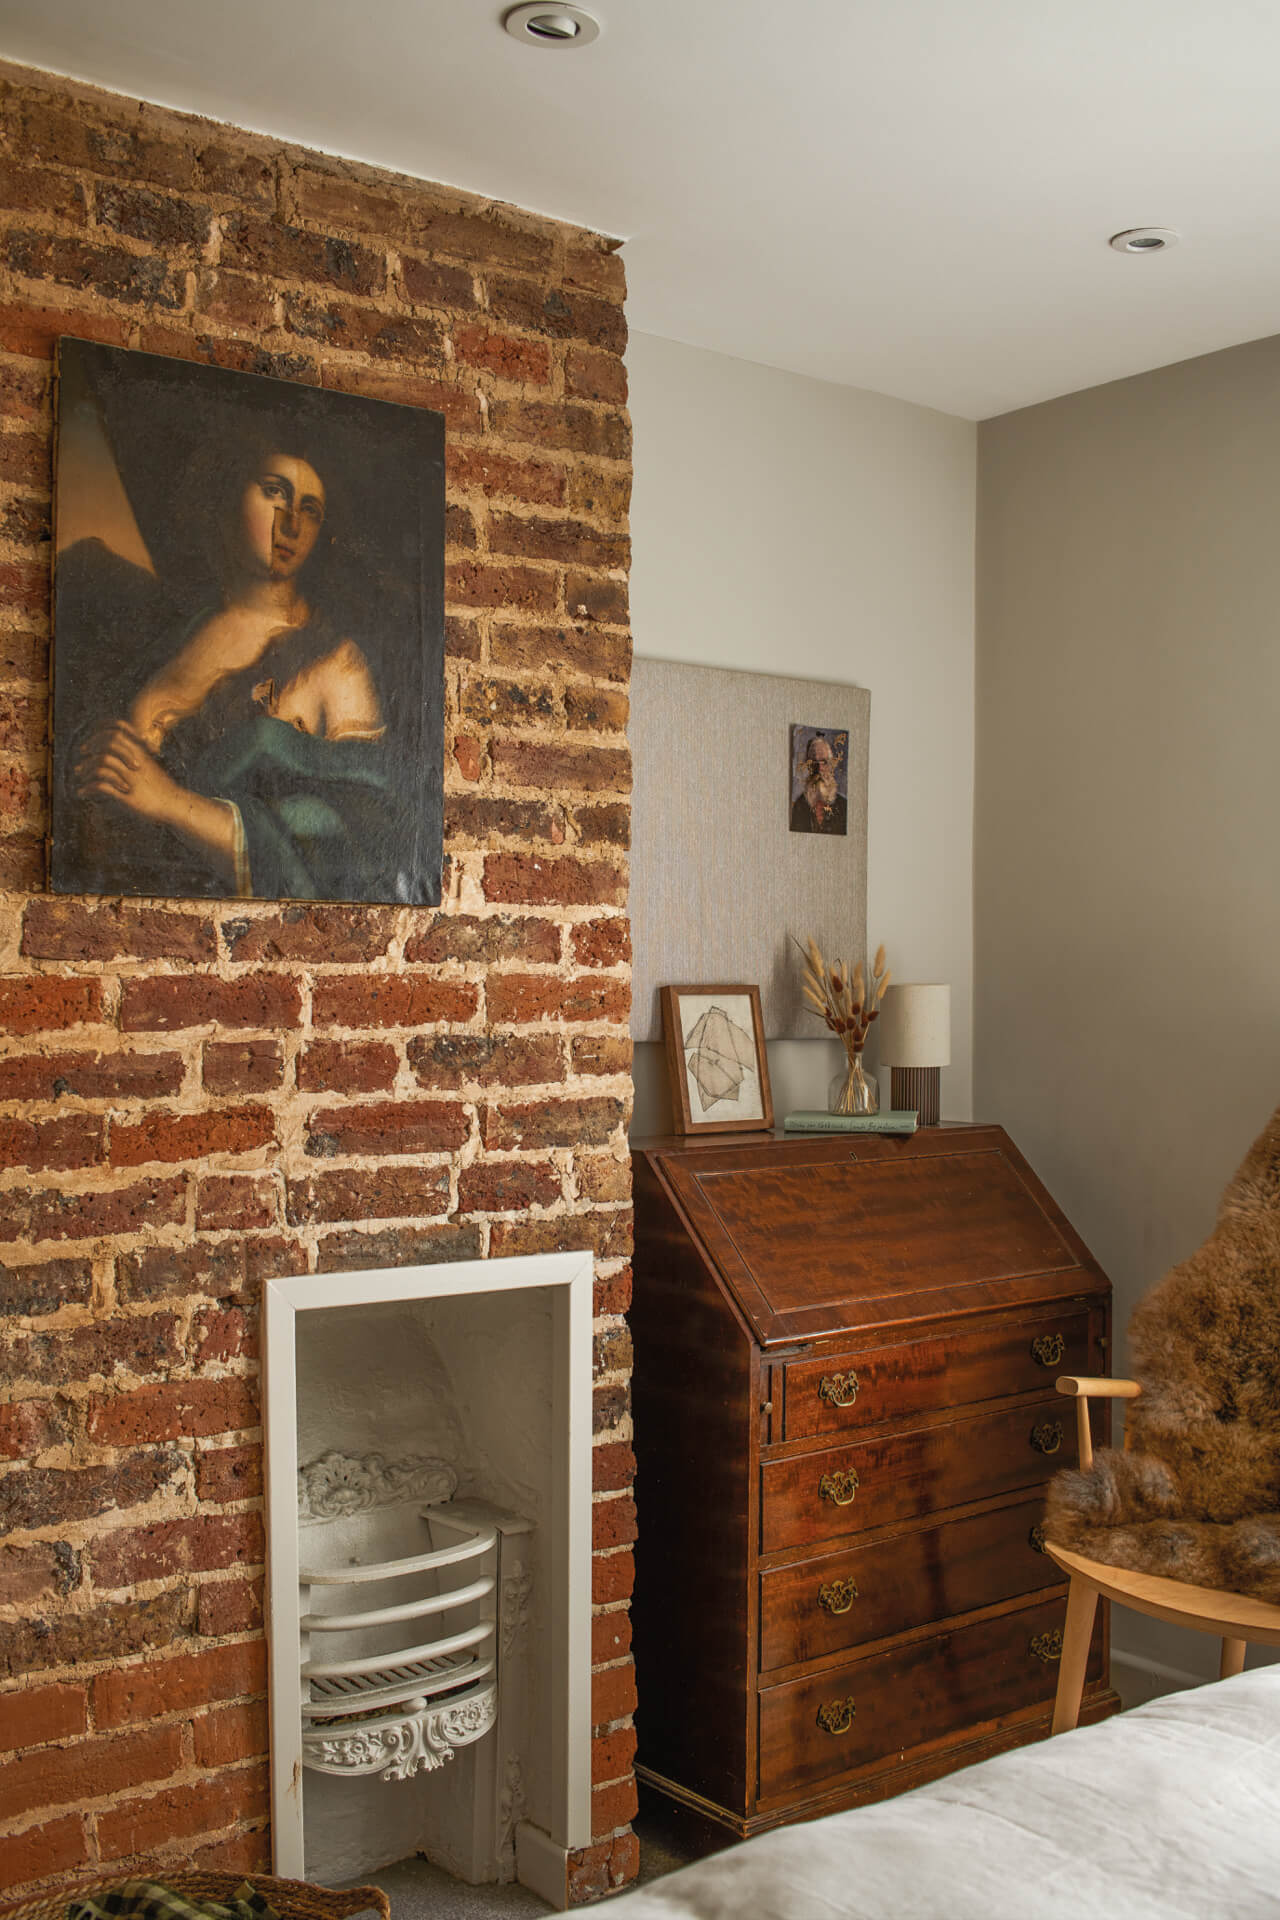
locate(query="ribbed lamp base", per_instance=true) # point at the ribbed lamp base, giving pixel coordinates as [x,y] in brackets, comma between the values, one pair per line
[918,1088]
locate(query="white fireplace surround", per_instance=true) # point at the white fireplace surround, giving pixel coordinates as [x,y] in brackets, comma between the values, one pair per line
[541,1851]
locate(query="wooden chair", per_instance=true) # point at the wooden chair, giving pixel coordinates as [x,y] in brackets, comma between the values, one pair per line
[1234,1617]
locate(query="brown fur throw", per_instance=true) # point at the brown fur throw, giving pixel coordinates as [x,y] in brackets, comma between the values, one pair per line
[1197,1495]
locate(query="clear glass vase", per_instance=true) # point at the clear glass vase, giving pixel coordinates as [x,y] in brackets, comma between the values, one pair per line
[853,1091]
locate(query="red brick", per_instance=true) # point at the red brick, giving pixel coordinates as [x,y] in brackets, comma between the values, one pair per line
[24,584]
[348,1066]
[128,1695]
[41,1642]
[44,1286]
[246,1852]
[480,819]
[33,1715]
[222,1334]
[290,253]
[191,1136]
[49,1215]
[600,1053]
[430,283]
[602,1177]
[611,1351]
[35,189]
[203,1267]
[228,1606]
[613,1521]
[112,930]
[43,1003]
[596,709]
[56,1496]
[602,943]
[503,355]
[388,1127]
[130,1555]
[613,1466]
[464,937]
[588,597]
[407,1246]
[537,763]
[590,375]
[562,313]
[452,1060]
[243,1066]
[613,1695]
[612,1295]
[199,1807]
[507,1186]
[507,703]
[24,391]
[88,1770]
[476,583]
[469,755]
[612,1755]
[610,1404]
[35,331]
[55,1848]
[381,1193]
[73,1140]
[172,225]
[236,1200]
[459,525]
[147,1343]
[597,266]
[459,405]
[22,720]
[610,1636]
[613,1806]
[502,476]
[232,171]
[391,1000]
[39,1572]
[567,424]
[553,1123]
[229,1734]
[461,638]
[137,279]
[311,932]
[225,1474]
[570,542]
[521,997]
[607,1235]
[605,656]
[236,298]
[91,1076]
[26,1426]
[168,1004]
[534,880]
[485,238]
[365,329]
[73,133]
[183,1408]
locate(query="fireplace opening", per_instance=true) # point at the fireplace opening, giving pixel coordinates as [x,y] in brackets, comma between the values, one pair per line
[429,1538]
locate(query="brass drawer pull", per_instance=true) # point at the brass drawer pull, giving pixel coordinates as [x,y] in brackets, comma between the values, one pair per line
[839,1389]
[838,1595]
[1036,1538]
[1047,1437]
[1048,1349]
[839,1488]
[1047,1646]
[837,1715]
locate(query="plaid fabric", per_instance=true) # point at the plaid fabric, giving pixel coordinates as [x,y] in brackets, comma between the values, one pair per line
[148,1900]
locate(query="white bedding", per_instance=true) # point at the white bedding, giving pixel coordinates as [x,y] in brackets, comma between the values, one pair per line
[1170,1812]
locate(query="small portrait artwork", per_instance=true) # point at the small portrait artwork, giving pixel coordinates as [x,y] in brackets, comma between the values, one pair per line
[716,1058]
[819,780]
[248,652]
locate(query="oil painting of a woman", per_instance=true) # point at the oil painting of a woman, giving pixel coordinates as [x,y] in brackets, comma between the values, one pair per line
[248,637]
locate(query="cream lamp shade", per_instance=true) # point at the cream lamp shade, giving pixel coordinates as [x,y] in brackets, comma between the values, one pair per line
[915,1026]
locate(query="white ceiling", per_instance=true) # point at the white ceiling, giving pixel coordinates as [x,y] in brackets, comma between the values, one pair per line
[912,196]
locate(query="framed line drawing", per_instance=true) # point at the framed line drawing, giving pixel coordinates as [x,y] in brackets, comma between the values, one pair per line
[716,1059]
[248,652]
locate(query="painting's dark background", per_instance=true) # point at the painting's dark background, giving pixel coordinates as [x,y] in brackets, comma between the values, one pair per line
[163,431]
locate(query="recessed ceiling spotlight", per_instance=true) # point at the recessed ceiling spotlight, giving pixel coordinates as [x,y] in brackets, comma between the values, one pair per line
[551,26]
[1144,240]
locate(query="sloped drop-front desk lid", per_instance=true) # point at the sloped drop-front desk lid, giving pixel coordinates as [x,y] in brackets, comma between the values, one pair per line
[822,1234]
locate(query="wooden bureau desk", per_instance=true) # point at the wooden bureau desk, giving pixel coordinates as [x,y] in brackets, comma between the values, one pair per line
[845,1417]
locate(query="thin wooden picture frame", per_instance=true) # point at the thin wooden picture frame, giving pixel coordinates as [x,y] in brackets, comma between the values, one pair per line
[714,1041]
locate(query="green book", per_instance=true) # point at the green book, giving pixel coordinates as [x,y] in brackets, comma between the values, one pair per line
[805,1122]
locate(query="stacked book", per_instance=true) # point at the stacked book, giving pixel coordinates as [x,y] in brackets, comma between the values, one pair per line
[806,1122]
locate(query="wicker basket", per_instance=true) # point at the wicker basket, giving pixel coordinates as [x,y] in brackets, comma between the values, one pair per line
[292,1899]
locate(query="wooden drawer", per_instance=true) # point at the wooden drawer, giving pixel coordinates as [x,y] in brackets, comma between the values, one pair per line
[904,1476]
[820,1607]
[893,1702]
[956,1366]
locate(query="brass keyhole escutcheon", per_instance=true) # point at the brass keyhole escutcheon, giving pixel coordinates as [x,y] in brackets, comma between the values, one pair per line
[1048,1349]
[839,1389]
[836,1716]
[1036,1537]
[838,1595]
[839,1488]
[1047,1436]
[1047,1646]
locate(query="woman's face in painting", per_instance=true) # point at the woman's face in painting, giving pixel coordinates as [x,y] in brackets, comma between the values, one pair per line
[281,514]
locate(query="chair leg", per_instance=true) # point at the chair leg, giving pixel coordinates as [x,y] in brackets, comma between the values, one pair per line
[1233,1652]
[1082,1604]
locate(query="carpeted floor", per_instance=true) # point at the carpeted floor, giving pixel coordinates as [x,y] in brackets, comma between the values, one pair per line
[668,1839]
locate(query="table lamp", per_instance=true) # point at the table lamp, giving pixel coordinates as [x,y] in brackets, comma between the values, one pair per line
[915,1041]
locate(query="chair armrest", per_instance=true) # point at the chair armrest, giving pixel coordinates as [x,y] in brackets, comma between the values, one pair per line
[1082,1387]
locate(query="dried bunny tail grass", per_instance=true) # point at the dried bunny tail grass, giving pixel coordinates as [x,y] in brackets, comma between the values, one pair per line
[878,966]
[815,957]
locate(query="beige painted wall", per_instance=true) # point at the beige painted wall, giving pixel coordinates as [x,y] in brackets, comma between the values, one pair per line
[783,525]
[1127,825]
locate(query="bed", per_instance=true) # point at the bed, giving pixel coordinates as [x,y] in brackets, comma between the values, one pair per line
[1170,1812]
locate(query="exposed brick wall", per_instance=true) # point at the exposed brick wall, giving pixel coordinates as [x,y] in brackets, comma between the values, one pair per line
[194,1097]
